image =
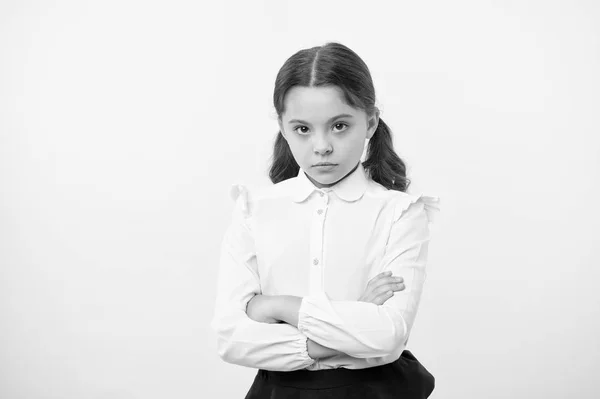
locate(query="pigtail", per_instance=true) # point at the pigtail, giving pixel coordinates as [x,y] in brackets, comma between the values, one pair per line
[283,165]
[384,165]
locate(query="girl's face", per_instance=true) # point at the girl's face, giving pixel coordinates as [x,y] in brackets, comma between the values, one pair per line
[320,127]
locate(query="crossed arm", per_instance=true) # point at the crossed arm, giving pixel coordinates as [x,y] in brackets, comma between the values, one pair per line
[288,332]
[284,308]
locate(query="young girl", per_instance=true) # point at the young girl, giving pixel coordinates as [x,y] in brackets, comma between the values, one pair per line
[321,273]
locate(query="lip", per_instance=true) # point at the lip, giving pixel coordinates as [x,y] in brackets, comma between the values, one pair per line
[325,164]
[325,168]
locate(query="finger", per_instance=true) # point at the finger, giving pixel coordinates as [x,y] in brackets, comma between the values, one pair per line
[382,275]
[395,286]
[389,287]
[379,277]
[399,287]
[386,281]
[380,299]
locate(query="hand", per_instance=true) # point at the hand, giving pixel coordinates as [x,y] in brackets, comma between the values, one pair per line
[258,309]
[381,288]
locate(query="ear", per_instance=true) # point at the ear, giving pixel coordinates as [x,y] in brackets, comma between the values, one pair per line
[372,123]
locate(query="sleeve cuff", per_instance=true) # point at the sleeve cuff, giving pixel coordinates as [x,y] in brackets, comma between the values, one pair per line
[312,310]
[302,317]
[303,351]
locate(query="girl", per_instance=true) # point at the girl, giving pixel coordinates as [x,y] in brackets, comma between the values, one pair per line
[321,273]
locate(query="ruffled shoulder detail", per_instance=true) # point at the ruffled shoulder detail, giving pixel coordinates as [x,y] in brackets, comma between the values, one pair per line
[241,192]
[432,205]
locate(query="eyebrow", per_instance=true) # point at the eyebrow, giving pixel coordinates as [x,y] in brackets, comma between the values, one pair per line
[329,121]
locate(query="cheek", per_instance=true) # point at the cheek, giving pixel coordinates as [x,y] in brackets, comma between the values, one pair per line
[297,147]
[354,145]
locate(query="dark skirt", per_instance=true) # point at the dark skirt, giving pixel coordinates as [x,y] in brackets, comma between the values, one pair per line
[404,378]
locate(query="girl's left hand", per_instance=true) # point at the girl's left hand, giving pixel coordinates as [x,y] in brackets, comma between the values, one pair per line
[258,309]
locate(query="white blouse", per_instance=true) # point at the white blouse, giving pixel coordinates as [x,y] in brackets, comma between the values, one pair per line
[324,245]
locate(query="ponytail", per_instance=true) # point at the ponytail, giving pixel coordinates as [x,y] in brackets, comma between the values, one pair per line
[382,162]
[284,166]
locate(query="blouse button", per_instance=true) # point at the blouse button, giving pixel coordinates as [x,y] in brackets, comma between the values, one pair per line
[315,261]
[321,193]
[320,211]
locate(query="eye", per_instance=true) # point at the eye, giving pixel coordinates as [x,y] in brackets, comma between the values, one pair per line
[300,127]
[340,124]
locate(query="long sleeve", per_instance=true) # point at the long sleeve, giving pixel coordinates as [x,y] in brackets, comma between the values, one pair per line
[241,340]
[363,329]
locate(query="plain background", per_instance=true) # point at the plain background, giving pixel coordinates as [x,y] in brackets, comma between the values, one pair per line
[124,123]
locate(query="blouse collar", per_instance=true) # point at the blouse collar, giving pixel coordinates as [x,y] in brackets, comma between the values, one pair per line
[350,189]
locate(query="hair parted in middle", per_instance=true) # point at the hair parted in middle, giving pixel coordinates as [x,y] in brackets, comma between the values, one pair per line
[334,64]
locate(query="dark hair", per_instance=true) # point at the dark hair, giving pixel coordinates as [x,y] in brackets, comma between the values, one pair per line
[334,64]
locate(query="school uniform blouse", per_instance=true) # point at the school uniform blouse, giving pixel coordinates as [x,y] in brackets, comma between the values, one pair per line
[324,245]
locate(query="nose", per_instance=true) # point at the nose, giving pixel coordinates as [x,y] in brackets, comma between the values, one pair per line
[321,145]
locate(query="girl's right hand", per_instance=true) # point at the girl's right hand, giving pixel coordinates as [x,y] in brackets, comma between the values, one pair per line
[381,288]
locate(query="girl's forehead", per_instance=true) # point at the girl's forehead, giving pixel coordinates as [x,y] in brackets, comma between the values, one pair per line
[301,101]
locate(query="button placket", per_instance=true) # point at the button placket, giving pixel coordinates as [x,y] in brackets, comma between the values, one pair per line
[317,225]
